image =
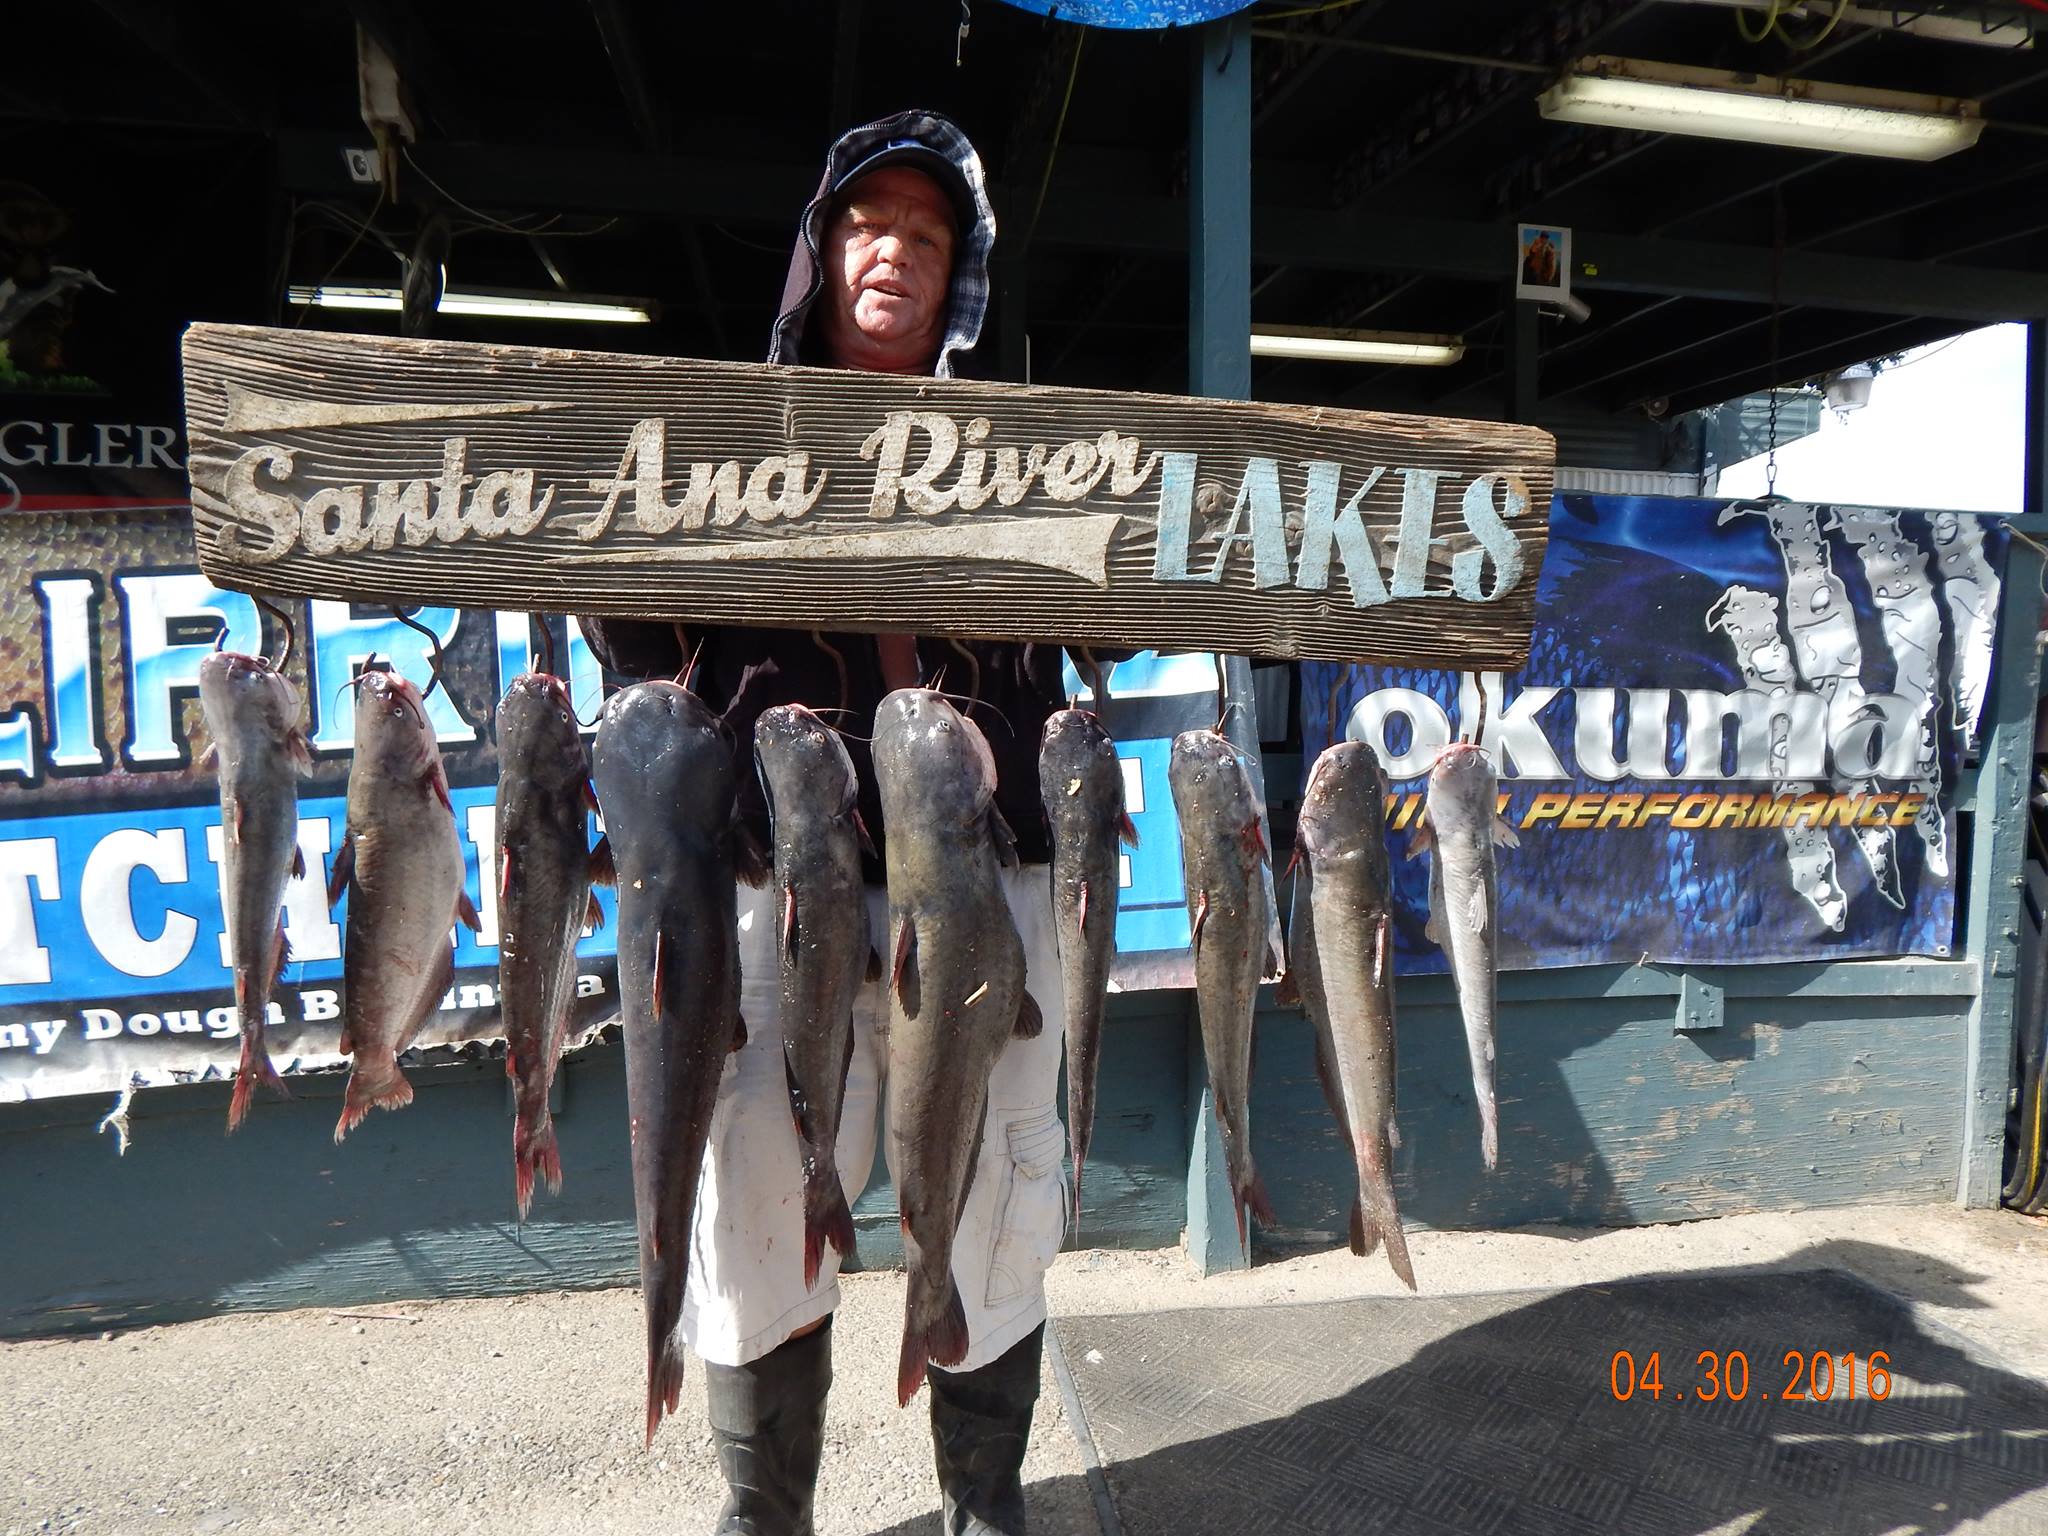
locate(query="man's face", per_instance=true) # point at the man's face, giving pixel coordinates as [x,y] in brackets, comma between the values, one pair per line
[888,259]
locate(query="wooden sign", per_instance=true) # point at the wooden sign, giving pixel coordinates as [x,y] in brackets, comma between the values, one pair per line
[392,471]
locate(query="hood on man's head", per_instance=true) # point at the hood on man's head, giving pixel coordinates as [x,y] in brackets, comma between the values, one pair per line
[929,143]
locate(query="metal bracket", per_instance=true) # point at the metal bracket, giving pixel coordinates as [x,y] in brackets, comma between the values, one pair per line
[1701,1005]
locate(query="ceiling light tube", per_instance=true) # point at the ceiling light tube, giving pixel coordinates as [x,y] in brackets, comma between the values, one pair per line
[502,306]
[1317,344]
[1761,109]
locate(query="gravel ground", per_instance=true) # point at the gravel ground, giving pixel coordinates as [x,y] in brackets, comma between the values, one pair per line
[524,1414]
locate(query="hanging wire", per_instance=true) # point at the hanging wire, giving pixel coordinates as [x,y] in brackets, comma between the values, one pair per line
[1762,32]
[1058,128]
[1777,273]
[347,251]
[1333,5]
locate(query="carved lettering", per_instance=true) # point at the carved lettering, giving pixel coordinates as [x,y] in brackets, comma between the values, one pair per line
[1490,528]
[1411,544]
[267,510]
[1325,524]
[398,504]
[1073,470]
[639,471]
[889,446]
[345,505]
[504,504]
[792,500]
[1176,515]
[1126,475]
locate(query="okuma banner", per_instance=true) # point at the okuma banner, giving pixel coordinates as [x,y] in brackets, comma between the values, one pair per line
[1736,739]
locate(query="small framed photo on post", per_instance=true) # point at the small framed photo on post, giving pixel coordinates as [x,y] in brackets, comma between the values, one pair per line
[1543,262]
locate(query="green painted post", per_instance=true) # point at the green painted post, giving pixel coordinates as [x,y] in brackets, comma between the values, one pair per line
[1998,846]
[1220,365]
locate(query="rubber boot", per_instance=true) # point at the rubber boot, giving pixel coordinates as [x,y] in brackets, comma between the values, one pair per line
[981,1422]
[768,1419]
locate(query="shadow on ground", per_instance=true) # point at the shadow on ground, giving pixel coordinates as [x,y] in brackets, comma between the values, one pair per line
[1479,1414]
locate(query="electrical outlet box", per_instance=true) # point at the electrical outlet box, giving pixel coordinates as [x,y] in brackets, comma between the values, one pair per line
[363,166]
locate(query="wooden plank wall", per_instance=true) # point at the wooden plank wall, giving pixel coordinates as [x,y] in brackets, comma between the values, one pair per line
[1607,1117]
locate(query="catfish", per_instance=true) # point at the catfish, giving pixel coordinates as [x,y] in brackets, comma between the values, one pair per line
[1081,785]
[956,993]
[823,949]
[546,868]
[1463,824]
[402,869]
[254,718]
[1227,876]
[1341,957]
[663,766]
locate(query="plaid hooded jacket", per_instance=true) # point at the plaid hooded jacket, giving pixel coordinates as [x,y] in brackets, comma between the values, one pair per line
[1021,683]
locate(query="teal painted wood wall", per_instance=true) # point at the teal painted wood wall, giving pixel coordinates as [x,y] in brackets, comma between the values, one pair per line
[1607,1116]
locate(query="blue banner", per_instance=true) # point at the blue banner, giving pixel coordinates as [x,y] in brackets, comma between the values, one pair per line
[113,964]
[1736,738]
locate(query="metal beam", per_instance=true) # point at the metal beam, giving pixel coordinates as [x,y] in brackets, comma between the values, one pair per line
[622,46]
[156,29]
[1103,219]
[1998,831]
[1219,217]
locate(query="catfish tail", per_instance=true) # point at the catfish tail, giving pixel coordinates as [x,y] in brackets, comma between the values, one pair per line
[534,1151]
[1378,1217]
[664,1381]
[940,1340]
[1250,1194]
[827,1219]
[254,1066]
[373,1083]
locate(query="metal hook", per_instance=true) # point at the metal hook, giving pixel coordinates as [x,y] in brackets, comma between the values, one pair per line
[973,671]
[285,620]
[547,643]
[433,640]
[1098,680]
[838,662]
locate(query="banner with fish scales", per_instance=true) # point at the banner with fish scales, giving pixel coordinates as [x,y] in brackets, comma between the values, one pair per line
[1736,739]
[392,470]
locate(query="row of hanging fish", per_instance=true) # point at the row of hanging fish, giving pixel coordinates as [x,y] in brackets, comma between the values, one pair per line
[662,768]
[1339,956]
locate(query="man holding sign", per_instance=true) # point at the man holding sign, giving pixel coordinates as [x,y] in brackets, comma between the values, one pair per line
[890,275]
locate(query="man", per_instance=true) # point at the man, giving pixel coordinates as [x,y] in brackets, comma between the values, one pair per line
[890,274]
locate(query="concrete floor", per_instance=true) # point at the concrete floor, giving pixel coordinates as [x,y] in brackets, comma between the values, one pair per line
[524,1414]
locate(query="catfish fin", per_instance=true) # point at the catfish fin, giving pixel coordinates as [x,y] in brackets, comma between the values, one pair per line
[1505,834]
[1030,1021]
[1475,910]
[749,861]
[1201,916]
[1126,828]
[593,915]
[860,832]
[344,869]
[298,862]
[465,912]
[603,871]
[1423,840]
[207,758]
[1005,840]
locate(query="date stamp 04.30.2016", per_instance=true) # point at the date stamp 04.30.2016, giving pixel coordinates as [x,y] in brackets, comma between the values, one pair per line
[1812,1376]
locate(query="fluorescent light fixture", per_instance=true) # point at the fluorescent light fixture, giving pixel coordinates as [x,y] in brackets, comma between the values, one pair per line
[1316,344]
[1760,109]
[501,306]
